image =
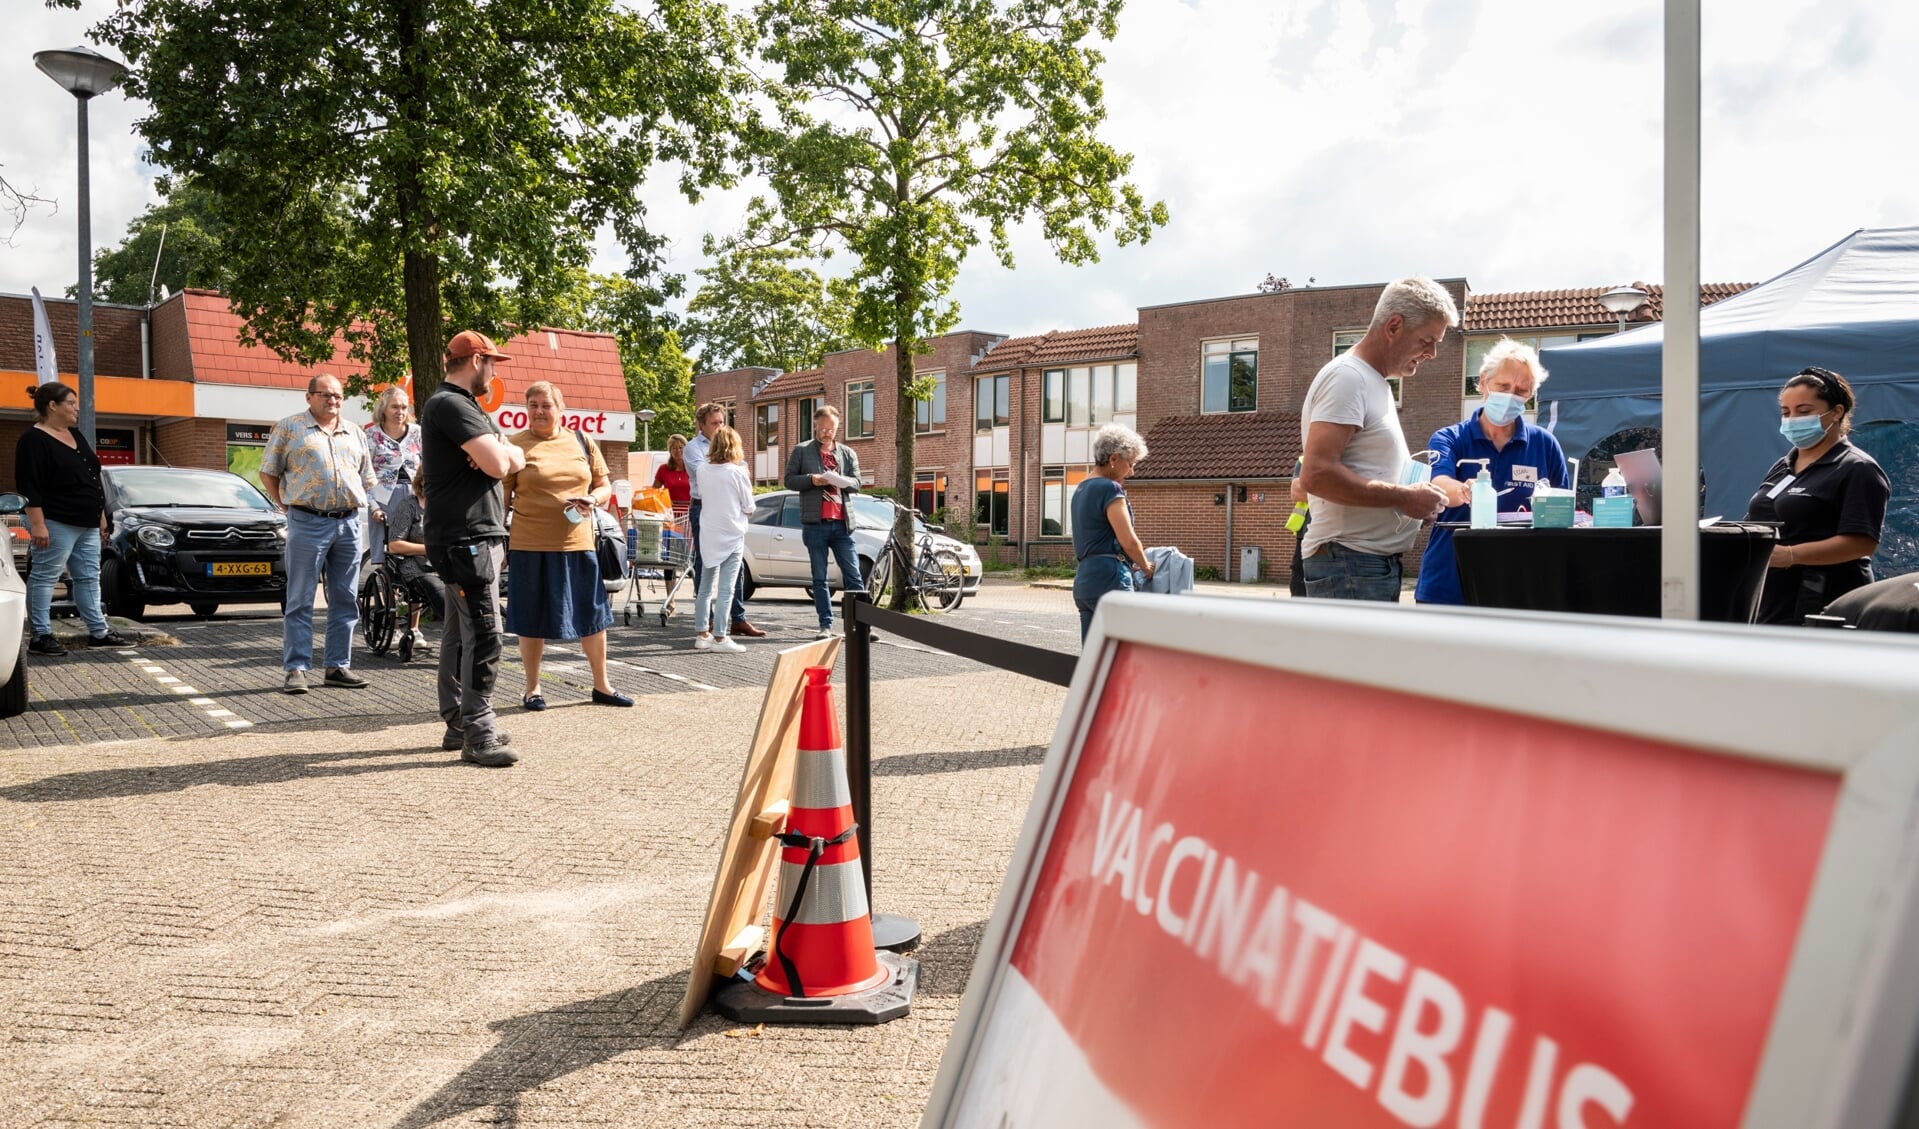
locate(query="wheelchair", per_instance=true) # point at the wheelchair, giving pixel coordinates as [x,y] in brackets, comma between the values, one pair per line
[387,600]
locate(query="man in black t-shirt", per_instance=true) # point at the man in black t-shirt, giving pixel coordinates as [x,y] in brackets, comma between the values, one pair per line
[463,458]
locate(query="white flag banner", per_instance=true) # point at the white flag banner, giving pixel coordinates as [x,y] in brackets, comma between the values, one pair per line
[43,363]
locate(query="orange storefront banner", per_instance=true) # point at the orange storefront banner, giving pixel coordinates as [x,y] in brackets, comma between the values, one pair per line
[112,395]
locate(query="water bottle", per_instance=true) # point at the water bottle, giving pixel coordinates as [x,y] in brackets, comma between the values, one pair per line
[1614,486]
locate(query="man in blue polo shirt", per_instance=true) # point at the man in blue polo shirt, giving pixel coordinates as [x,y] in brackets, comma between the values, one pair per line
[1523,456]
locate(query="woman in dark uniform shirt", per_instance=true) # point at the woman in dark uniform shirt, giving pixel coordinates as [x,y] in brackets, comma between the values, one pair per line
[1829,499]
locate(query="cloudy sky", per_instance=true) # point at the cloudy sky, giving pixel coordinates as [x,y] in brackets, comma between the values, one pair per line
[1512,142]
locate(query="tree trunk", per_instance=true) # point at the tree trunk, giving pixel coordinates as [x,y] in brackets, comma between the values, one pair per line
[426,334]
[903,435]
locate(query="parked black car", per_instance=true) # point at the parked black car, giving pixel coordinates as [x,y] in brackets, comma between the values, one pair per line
[198,537]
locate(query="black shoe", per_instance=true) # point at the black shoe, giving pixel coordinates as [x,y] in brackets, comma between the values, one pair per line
[614,699]
[345,679]
[534,703]
[454,739]
[46,645]
[111,639]
[494,753]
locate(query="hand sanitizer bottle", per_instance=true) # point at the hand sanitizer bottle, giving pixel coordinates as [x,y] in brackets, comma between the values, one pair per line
[1485,501]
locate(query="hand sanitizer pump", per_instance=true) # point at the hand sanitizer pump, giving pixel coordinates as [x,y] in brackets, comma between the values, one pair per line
[1485,501]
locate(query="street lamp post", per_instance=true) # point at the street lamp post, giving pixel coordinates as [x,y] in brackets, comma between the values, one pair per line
[1623,300]
[646,423]
[83,74]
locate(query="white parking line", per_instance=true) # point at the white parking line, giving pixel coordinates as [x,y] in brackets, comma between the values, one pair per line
[207,705]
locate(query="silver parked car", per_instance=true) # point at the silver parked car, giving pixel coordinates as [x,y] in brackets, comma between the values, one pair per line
[776,556]
[13,622]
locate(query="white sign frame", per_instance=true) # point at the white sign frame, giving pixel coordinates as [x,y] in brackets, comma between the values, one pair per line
[1843,1033]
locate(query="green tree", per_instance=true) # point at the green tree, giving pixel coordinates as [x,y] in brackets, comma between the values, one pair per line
[398,170]
[189,254]
[659,375]
[911,129]
[763,306]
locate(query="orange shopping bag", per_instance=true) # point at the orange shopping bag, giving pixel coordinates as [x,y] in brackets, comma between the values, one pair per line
[653,500]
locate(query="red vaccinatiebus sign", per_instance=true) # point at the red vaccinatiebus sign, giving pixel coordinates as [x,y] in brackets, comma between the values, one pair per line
[1267,897]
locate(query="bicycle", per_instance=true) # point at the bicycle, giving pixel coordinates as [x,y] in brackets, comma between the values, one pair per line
[936,580]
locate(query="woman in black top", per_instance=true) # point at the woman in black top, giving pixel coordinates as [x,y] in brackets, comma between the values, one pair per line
[1829,499]
[66,513]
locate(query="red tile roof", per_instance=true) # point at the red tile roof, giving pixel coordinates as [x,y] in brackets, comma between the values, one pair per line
[585,366]
[1063,345]
[792,384]
[1215,447]
[1543,309]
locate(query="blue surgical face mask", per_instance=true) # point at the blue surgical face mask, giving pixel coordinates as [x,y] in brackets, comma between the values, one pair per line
[1502,408]
[1414,471]
[1803,431]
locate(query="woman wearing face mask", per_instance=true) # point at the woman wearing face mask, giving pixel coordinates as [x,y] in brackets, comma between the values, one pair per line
[1829,499]
[1519,457]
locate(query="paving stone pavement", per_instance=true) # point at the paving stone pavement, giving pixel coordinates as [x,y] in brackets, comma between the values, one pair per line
[324,920]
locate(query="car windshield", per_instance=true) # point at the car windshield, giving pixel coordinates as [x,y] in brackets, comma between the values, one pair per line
[877,513]
[153,486]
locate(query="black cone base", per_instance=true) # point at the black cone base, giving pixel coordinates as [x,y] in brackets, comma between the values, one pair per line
[746,1002]
[895,933]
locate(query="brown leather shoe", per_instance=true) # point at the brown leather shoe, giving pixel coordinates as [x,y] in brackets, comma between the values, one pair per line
[741,627]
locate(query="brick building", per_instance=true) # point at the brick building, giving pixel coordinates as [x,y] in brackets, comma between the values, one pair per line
[1215,386]
[173,385]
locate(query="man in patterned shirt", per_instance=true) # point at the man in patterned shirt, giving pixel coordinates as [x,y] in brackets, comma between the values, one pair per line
[316,467]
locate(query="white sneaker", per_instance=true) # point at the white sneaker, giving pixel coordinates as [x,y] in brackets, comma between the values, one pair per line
[825,633]
[730,646]
[419,638]
[702,642]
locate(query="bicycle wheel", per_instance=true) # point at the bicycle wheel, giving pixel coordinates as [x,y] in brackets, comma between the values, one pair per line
[880,585]
[945,582]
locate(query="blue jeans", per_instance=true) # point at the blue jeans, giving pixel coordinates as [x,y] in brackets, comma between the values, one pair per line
[1338,573]
[738,610]
[318,546]
[1092,580]
[75,548]
[820,537]
[721,575]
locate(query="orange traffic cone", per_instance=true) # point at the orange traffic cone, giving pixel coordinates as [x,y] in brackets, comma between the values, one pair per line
[821,966]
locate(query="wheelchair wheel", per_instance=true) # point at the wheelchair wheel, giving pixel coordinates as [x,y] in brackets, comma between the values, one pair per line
[378,612]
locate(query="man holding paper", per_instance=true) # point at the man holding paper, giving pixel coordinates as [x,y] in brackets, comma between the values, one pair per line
[825,471]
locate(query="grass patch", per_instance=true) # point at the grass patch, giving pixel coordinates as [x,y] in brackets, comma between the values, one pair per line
[1050,572]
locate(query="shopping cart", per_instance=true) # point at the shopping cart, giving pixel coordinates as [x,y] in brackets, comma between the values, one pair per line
[659,552]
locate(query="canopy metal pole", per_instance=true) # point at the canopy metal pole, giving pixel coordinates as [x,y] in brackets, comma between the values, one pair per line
[1679,387]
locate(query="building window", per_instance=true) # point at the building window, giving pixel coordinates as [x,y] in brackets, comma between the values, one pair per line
[731,419]
[1089,396]
[992,502]
[931,413]
[1229,376]
[992,403]
[767,427]
[1053,396]
[929,492]
[804,424]
[1478,347]
[1058,485]
[1126,388]
[859,409]
[1397,384]
[1344,339]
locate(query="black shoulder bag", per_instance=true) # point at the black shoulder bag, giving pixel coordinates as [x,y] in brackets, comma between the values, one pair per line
[607,547]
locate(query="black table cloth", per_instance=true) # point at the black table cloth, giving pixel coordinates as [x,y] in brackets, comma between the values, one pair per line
[1608,571]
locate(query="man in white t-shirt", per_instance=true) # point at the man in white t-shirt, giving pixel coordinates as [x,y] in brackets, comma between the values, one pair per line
[1366,508]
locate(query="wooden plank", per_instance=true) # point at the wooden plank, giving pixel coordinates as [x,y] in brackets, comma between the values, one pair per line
[748,865]
[771,821]
[734,953]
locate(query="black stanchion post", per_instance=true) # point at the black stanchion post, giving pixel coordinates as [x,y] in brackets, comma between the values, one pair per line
[891,931]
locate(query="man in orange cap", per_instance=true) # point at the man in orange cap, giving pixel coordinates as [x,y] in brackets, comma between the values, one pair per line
[463,458]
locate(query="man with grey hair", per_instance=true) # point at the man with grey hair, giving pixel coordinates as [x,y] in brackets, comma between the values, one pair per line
[1518,456]
[1367,496]
[316,467]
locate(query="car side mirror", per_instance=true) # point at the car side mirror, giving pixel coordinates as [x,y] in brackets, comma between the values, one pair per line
[936,528]
[12,504]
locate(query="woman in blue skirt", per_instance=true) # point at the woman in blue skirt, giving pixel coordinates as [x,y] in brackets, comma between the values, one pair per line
[553,588]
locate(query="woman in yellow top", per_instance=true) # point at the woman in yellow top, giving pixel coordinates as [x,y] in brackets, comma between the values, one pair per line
[553,588]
